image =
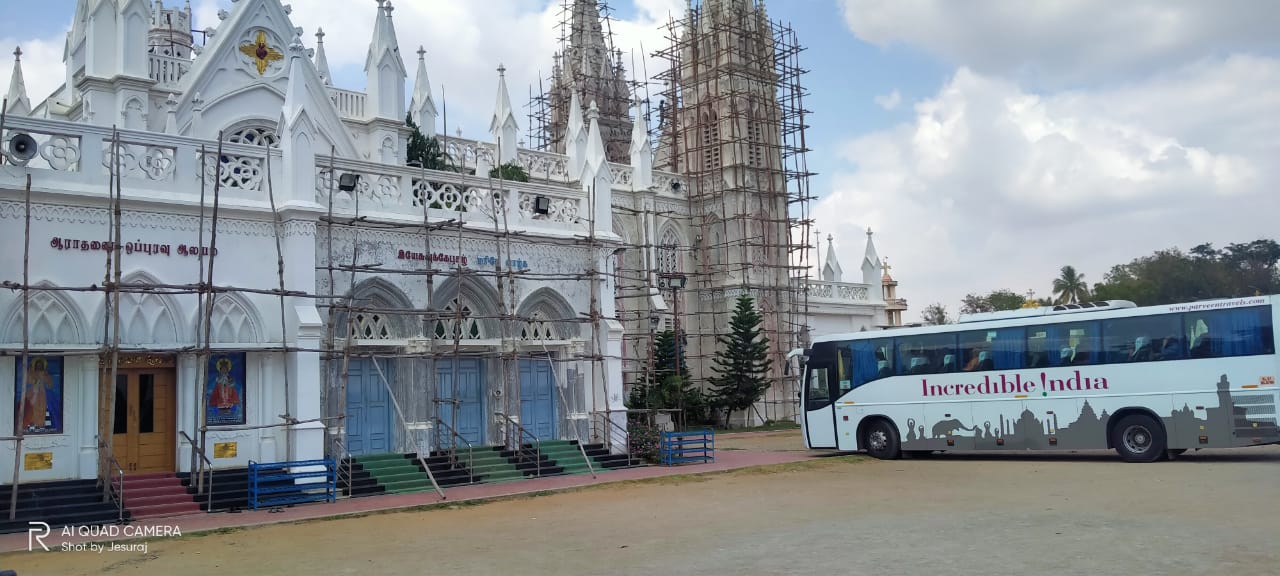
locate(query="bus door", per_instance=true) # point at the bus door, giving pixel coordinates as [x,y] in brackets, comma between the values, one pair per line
[820,394]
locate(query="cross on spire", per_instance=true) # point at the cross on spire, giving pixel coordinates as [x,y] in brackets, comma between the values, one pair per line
[422,52]
[17,53]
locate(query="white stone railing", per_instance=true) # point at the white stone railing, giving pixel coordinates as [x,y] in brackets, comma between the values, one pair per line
[78,158]
[350,104]
[467,153]
[167,71]
[839,291]
[400,193]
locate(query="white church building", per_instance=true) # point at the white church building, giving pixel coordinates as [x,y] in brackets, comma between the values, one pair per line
[334,300]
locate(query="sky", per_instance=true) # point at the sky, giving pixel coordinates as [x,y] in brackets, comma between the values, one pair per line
[986,143]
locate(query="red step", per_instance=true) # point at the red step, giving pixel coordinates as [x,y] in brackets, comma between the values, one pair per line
[155,495]
[137,483]
[159,510]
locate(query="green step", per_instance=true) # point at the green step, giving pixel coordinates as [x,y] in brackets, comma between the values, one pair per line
[394,472]
[372,458]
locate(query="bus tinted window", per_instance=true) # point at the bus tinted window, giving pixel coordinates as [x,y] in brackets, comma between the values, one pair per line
[872,360]
[844,367]
[1143,339]
[1223,333]
[927,354]
[1000,349]
[1075,344]
[818,391]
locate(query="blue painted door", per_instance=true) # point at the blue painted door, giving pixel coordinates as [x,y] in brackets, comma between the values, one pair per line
[537,398]
[462,380]
[368,408]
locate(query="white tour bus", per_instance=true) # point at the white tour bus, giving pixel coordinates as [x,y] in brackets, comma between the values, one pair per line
[1149,382]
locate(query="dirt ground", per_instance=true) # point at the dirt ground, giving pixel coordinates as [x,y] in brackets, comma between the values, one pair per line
[1212,512]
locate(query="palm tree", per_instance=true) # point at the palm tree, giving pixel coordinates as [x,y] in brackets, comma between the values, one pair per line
[1070,287]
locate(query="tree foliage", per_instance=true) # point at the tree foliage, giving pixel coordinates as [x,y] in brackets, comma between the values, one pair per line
[742,363]
[510,171]
[425,152]
[935,314]
[1163,277]
[996,301]
[1070,287]
[1170,276]
[670,387]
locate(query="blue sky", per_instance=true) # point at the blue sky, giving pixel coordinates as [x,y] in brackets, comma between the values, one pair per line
[1025,136]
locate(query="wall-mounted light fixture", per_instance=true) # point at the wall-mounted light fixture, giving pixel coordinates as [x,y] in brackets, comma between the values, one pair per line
[348,181]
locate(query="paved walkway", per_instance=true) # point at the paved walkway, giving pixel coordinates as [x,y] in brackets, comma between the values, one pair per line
[202,522]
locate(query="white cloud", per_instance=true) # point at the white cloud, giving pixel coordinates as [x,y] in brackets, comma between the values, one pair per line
[994,186]
[889,101]
[1060,41]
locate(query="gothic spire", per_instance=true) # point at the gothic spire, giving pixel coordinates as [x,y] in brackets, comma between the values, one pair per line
[503,126]
[832,272]
[641,152]
[575,137]
[322,61]
[384,40]
[384,68]
[19,104]
[872,267]
[423,106]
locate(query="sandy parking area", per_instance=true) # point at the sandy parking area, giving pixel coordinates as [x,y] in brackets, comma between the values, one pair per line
[1206,513]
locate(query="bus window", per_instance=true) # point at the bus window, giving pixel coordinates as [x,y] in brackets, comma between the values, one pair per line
[1000,349]
[1037,348]
[1224,333]
[1142,339]
[871,360]
[819,395]
[844,367]
[1073,344]
[927,354]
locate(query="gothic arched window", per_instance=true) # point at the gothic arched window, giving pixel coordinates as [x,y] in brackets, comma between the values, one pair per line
[537,328]
[253,135]
[372,327]
[454,325]
[668,252]
[710,141]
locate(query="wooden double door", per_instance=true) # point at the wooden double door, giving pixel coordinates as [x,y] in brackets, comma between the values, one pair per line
[143,421]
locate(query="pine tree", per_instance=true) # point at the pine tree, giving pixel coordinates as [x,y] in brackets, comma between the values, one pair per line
[417,147]
[669,387]
[743,361]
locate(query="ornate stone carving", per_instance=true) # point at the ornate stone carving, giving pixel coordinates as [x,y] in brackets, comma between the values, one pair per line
[145,220]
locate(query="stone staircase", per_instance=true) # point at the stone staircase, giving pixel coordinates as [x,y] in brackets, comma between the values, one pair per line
[60,503]
[393,473]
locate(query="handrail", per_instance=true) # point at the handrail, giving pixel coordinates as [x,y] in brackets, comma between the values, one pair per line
[625,433]
[610,426]
[521,433]
[565,401]
[471,458]
[338,449]
[405,424]
[198,451]
[111,460]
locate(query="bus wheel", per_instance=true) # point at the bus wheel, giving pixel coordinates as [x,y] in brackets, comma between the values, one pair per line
[1139,438]
[881,440]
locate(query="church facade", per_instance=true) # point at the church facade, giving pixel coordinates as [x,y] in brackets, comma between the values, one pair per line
[281,283]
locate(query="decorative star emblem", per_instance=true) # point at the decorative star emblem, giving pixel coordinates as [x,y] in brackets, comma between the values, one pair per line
[262,54]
